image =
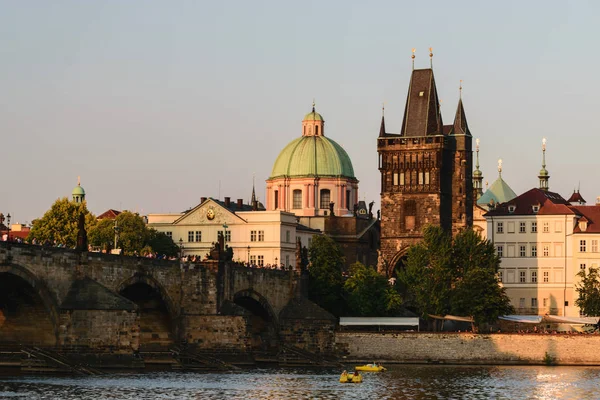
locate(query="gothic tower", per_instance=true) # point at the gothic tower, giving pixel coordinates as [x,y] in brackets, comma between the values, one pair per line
[425,170]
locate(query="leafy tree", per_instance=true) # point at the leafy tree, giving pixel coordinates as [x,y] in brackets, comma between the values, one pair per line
[369,293]
[59,223]
[589,292]
[325,272]
[457,276]
[103,234]
[160,243]
[132,233]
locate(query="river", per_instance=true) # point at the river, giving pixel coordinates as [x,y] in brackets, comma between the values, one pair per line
[400,382]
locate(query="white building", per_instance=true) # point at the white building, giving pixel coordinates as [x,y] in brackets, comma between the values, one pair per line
[258,237]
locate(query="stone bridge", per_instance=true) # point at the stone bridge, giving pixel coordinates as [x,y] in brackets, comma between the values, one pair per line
[63,298]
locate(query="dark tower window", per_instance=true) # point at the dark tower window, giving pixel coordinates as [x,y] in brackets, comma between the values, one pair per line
[410,214]
[316,129]
[325,199]
[297,203]
[348,199]
[276,199]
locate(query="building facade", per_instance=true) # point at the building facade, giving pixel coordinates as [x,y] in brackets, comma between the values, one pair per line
[426,172]
[259,238]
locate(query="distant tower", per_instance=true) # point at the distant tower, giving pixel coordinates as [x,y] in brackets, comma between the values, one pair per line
[477,174]
[78,193]
[544,176]
[426,172]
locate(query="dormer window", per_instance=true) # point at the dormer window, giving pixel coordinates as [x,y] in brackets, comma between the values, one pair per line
[511,209]
[583,226]
[536,208]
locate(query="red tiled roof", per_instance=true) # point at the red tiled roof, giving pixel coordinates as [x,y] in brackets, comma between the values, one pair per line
[110,214]
[591,214]
[550,203]
[576,198]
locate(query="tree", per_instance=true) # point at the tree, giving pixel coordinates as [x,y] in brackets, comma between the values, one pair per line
[160,243]
[59,223]
[458,276]
[588,290]
[132,233]
[325,272]
[369,294]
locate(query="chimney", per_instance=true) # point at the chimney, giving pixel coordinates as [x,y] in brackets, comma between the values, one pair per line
[202,200]
[227,202]
[240,203]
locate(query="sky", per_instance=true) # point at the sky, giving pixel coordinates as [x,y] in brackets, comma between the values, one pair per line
[158,103]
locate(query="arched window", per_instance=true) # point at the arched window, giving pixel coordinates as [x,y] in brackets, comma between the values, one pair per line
[410,214]
[325,199]
[297,203]
[316,129]
[276,193]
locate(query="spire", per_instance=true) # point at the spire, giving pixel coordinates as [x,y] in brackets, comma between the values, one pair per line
[477,174]
[422,115]
[544,176]
[499,168]
[78,180]
[460,126]
[382,128]
[253,201]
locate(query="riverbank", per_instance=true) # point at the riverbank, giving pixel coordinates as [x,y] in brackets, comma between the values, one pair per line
[468,348]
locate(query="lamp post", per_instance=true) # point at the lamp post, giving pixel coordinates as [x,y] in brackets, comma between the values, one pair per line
[116,228]
[248,255]
[8,227]
[180,248]
[225,226]
[276,265]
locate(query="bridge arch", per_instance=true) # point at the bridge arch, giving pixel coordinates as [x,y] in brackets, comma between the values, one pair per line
[396,261]
[29,311]
[263,324]
[157,315]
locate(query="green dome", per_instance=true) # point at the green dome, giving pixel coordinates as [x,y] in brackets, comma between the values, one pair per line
[543,172]
[313,156]
[313,116]
[78,191]
[477,174]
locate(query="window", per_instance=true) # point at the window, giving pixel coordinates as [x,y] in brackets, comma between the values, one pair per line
[594,246]
[546,227]
[500,276]
[287,260]
[261,236]
[581,266]
[347,199]
[522,251]
[521,227]
[546,276]
[500,227]
[401,178]
[500,250]
[410,214]
[297,202]
[198,236]
[276,199]
[190,236]
[427,178]
[533,276]
[395,179]
[522,276]
[227,235]
[535,208]
[534,227]
[261,261]
[522,302]
[534,302]
[288,237]
[534,250]
[582,246]
[325,199]
[253,260]
[169,234]
[511,227]
[421,180]
[546,250]
[253,236]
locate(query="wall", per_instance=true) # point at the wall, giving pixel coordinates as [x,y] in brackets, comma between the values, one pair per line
[205,331]
[101,329]
[465,348]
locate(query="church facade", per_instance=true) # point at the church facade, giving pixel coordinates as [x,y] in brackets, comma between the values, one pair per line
[426,172]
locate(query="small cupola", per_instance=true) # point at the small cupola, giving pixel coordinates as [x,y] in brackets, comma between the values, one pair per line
[313,124]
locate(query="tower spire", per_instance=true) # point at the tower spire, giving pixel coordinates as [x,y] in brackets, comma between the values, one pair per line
[477,174]
[499,168]
[382,128]
[544,176]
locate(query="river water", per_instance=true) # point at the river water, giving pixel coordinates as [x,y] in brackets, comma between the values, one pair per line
[400,382]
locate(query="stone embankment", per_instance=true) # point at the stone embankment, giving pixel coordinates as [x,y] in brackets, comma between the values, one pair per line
[468,348]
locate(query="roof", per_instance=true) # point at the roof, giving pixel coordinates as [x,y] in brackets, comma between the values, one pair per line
[422,114]
[78,191]
[499,192]
[312,156]
[550,203]
[304,228]
[460,126]
[576,198]
[109,214]
[590,214]
[87,294]
[313,116]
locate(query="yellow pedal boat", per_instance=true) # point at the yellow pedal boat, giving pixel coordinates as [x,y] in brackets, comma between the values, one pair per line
[353,377]
[371,368]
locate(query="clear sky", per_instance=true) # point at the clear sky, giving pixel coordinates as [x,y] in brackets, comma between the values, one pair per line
[157,103]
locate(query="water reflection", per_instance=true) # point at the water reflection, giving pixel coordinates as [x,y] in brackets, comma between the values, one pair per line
[400,382]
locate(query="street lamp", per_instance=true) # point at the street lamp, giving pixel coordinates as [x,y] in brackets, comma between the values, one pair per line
[8,227]
[180,248]
[116,228]
[276,265]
